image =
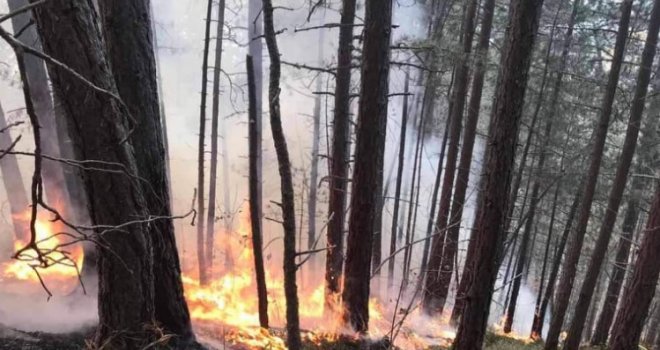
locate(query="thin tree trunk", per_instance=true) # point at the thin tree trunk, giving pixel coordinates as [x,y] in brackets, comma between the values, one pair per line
[507,112]
[441,262]
[639,292]
[619,183]
[316,139]
[652,329]
[434,201]
[213,174]
[539,316]
[54,183]
[286,183]
[569,266]
[399,178]
[201,256]
[126,297]
[127,29]
[339,158]
[255,223]
[368,171]
[13,181]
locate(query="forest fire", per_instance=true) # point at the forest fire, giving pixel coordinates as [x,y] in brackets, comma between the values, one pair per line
[63,258]
[227,306]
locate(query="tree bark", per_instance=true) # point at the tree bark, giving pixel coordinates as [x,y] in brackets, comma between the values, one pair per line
[339,157]
[399,180]
[201,248]
[213,173]
[639,292]
[98,127]
[286,183]
[255,222]
[647,159]
[14,186]
[54,183]
[569,266]
[369,153]
[127,30]
[505,123]
[441,262]
[619,183]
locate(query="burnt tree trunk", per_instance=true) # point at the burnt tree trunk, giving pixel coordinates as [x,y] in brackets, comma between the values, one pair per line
[399,181]
[215,112]
[14,186]
[619,183]
[569,266]
[339,157]
[505,123]
[639,292]
[441,262]
[286,183]
[255,222]
[201,248]
[98,129]
[127,30]
[369,153]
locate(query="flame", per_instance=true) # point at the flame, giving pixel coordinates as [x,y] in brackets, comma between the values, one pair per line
[64,260]
[226,307]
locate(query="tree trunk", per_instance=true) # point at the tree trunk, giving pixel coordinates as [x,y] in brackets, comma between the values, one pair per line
[126,297]
[201,248]
[619,183]
[441,263]
[569,266]
[399,180]
[255,222]
[505,123]
[316,139]
[127,30]
[53,176]
[539,315]
[255,49]
[639,292]
[368,171]
[286,183]
[339,157]
[213,173]
[646,155]
[13,181]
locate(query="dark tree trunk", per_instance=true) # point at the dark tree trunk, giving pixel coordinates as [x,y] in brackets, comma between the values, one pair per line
[569,266]
[399,180]
[201,248]
[255,222]
[53,176]
[619,183]
[505,123]
[286,183]
[647,159]
[98,128]
[639,292]
[369,153]
[441,262]
[213,173]
[339,157]
[127,30]
[13,181]
[255,49]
